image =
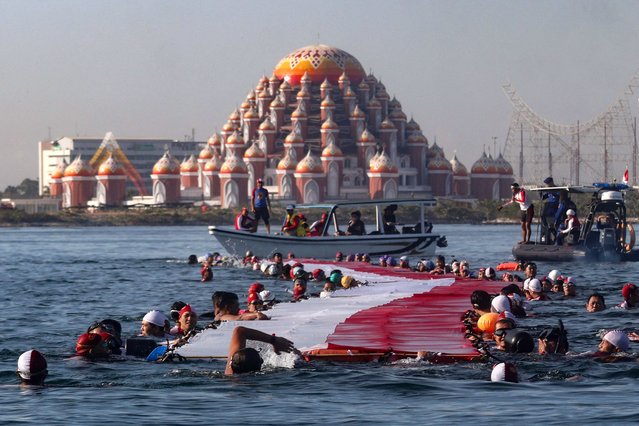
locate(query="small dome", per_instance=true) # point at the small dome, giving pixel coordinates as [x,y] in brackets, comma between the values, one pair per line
[434,151]
[374,104]
[293,137]
[233,164]
[299,113]
[259,87]
[439,162]
[287,162]
[214,164]
[349,93]
[329,124]
[387,125]
[277,103]
[229,126]
[264,94]
[503,166]
[381,93]
[254,151]
[285,85]
[306,79]
[332,150]
[326,84]
[484,165]
[363,86]
[167,165]
[343,78]
[58,172]
[371,80]
[367,136]
[309,164]
[78,168]
[394,104]
[251,114]
[397,115]
[110,167]
[328,102]
[303,93]
[458,168]
[267,125]
[251,96]
[358,113]
[274,79]
[235,115]
[245,105]
[412,126]
[382,163]
[417,138]
[215,140]
[264,80]
[189,165]
[235,139]
[206,153]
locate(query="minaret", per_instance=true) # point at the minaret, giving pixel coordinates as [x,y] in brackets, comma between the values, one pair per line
[78,184]
[211,179]
[55,181]
[111,178]
[383,178]
[310,180]
[329,127]
[285,176]
[166,180]
[333,165]
[189,173]
[255,160]
[357,119]
[233,182]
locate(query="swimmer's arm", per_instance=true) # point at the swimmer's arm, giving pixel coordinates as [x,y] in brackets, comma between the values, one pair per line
[242,334]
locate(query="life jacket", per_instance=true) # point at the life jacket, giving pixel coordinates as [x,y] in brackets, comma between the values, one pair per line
[507,266]
[291,223]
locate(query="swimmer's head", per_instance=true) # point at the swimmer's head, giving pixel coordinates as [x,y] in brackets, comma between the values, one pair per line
[246,360]
[32,367]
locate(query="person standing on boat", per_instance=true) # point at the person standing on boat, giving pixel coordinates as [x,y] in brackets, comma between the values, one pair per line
[291,222]
[261,205]
[549,210]
[527,211]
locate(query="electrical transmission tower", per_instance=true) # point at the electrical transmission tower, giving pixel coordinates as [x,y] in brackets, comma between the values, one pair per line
[581,153]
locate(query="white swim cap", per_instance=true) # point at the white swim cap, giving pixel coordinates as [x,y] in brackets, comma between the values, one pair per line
[155,317]
[504,372]
[31,363]
[534,285]
[619,338]
[570,212]
[266,296]
[554,274]
[500,304]
[263,266]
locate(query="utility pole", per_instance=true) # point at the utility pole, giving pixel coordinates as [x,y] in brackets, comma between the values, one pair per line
[549,157]
[605,152]
[634,152]
[577,160]
[521,153]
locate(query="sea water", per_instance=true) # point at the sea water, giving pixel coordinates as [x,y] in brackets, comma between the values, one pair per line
[57,281]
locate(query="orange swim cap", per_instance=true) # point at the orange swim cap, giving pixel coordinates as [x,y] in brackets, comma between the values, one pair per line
[487,322]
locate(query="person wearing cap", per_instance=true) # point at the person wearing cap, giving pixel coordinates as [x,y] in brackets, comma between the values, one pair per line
[595,303]
[630,294]
[403,262]
[317,228]
[227,308]
[299,290]
[504,372]
[155,324]
[553,341]
[569,288]
[328,290]
[206,272]
[612,342]
[550,200]
[261,205]
[291,222]
[32,368]
[244,222]
[527,211]
[339,256]
[93,345]
[355,225]
[571,226]
[246,360]
[111,331]
[501,326]
[536,291]
[186,323]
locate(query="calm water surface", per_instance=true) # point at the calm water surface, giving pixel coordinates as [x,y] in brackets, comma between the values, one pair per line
[55,282]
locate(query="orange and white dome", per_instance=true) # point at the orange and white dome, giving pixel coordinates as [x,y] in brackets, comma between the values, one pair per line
[387,125]
[434,151]
[327,102]
[332,150]
[319,62]
[439,162]
[233,164]
[78,168]
[485,165]
[458,168]
[229,126]
[412,126]
[329,124]
[503,166]
[167,165]
[254,151]
[358,113]
[251,114]
[293,137]
[277,103]
[267,125]
[382,163]
[110,167]
[235,139]
[326,85]
[299,113]
[214,164]
[215,140]
[189,165]
[235,115]
[206,152]
[58,172]
[417,138]
[287,162]
[309,164]
[367,136]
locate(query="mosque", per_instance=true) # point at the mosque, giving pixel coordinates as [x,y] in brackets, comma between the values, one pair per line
[319,129]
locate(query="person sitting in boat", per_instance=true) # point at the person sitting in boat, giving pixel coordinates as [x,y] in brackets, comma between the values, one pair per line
[206,272]
[317,227]
[32,368]
[246,360]
[355,225]
[302,229]
[527,211]
[244,222]
[630,294]
[595,303]
[291,222]
[571,226]
[155,324]
[389,220]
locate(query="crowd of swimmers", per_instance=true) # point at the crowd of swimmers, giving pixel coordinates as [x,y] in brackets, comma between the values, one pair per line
[494,322]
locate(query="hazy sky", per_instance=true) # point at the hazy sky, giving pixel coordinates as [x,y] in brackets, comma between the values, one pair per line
[160,68]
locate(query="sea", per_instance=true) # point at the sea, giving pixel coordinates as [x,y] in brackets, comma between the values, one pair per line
[55,282]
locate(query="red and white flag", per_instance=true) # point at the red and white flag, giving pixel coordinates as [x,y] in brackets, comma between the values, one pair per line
[625,176]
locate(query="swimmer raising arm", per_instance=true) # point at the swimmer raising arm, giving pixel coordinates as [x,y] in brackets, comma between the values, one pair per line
[242,359]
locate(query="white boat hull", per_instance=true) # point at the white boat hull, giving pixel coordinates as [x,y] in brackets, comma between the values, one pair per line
[263,245]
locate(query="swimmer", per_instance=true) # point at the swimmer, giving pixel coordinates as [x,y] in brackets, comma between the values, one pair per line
[403,262]
[32,368]
[228,309]
[630,294]
[111,331]
[504,372]
[480,300]
[92,345]
[553,340]
[299,290]
[206,272]
[612,342]
[536,291]
[339,256]
[440,266]
[192,260]
[187,322]
[245,360]
[155,324]
[499,334]
[595,303]
[329,289]
[569,288]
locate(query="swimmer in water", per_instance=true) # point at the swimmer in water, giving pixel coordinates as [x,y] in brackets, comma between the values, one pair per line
[595,303]
[187,322]
[246,360]
[630,294]
[32,368]
[501,327]
[613,342]
[553,340]
[155,324]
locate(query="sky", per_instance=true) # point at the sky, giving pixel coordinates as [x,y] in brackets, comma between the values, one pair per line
[158,69]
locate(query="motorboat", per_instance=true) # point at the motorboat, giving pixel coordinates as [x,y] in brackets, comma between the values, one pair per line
[409,239]
[604,233]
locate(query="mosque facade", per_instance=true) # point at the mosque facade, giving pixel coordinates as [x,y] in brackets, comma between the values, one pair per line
[319,129]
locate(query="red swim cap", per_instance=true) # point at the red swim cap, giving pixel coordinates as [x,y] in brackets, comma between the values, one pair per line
[628,289]
[87,342]
[252,297]
[256,287]
[185,309]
